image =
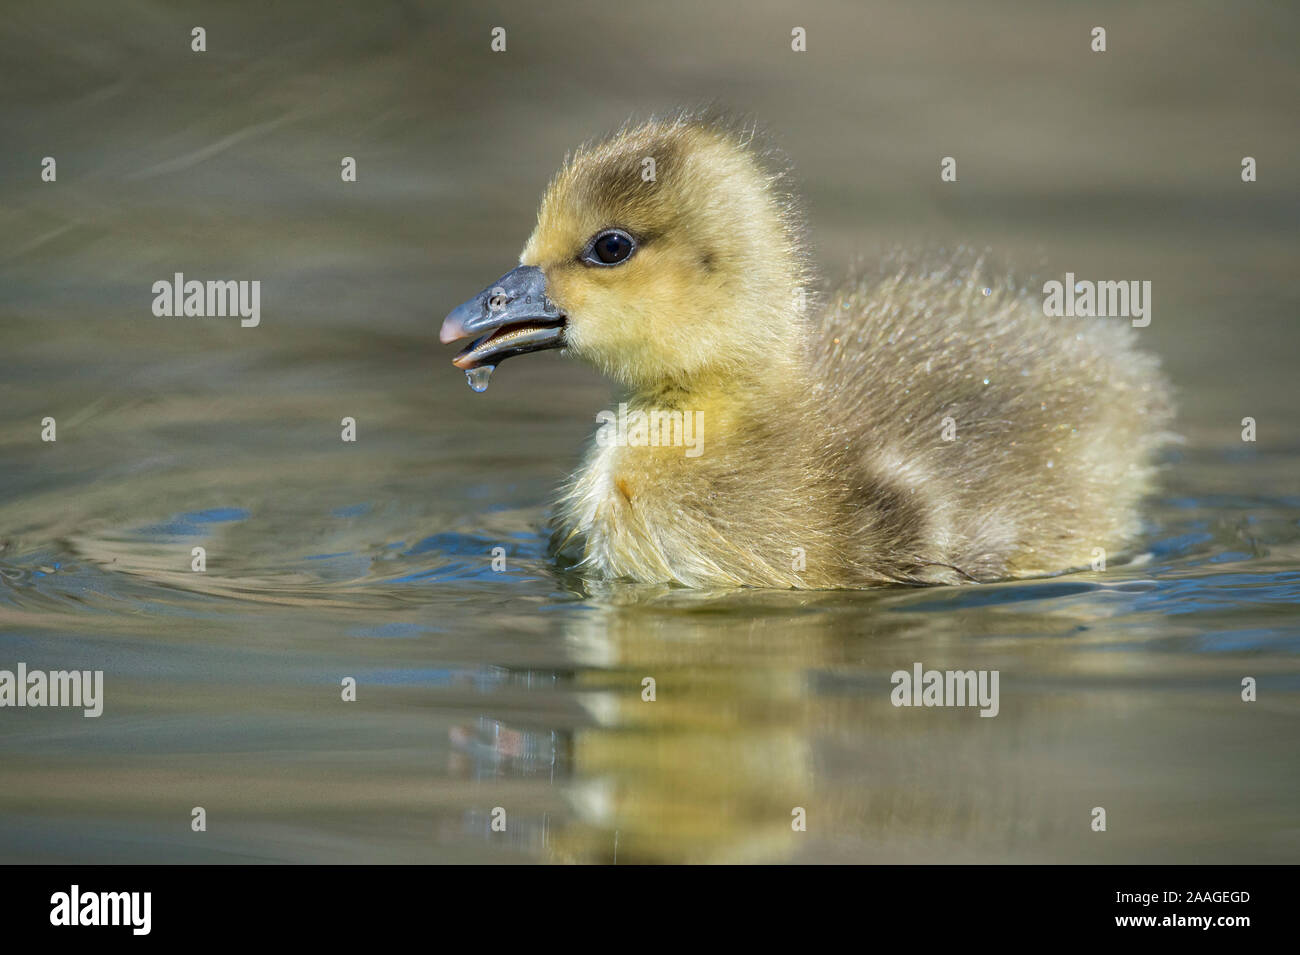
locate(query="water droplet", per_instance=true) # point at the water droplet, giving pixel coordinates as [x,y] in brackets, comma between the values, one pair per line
[986,381]
[988,291]
[478,377]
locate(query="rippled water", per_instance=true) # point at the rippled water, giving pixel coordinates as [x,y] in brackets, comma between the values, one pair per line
[521,689]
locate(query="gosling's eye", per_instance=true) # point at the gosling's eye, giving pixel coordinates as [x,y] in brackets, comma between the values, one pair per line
[609,248]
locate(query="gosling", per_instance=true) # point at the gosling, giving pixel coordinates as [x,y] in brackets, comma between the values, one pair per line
[926,426]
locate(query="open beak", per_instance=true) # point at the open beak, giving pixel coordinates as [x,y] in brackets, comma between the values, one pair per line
[511,317]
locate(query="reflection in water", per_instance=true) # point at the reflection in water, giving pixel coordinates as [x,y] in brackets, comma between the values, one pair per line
[711,769]
[753,718]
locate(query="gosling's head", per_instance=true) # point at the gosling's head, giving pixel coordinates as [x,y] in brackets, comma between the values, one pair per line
[664,256]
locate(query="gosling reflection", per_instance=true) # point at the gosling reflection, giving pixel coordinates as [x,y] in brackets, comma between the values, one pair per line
[753,718]
[676,754]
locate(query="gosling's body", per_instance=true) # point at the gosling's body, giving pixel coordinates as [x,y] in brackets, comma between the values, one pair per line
[915,429]
[931,433]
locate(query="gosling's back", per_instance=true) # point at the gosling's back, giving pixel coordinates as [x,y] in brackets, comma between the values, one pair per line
[1023,442]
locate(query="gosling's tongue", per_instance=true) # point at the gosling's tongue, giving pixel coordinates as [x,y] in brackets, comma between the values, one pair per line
[512,317]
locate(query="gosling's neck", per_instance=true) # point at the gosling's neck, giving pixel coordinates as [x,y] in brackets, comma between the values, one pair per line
[732,402]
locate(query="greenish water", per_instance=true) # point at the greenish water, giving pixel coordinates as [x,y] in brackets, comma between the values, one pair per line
[521,689]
